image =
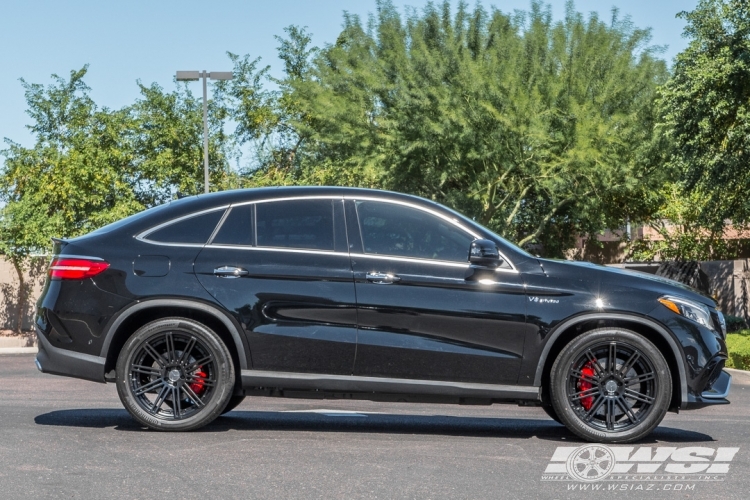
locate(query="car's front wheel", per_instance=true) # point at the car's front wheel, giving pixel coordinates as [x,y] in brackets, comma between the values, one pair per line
[175,374]
[610,385]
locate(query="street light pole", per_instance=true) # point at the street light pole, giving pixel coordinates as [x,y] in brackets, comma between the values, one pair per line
[192,76]
[205,132]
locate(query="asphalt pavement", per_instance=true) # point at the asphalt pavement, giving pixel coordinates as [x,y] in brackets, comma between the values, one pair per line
[67,438]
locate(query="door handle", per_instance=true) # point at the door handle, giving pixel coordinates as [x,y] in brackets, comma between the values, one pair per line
[382,278]
[230,272]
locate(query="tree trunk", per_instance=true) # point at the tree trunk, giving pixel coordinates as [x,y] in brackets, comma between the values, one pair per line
[21,297]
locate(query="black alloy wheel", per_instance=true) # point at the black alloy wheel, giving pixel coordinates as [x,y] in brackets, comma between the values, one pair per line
[610,385]
[175,374]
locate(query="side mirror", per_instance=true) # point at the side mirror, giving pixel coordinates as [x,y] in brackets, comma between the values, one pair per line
[484,253]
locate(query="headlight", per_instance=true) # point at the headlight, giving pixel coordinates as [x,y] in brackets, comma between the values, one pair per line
[691,310]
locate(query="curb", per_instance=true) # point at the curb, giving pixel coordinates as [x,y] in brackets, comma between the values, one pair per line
[18,350]
[741,373]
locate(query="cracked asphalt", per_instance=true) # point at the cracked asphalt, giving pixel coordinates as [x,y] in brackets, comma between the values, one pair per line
[67,438]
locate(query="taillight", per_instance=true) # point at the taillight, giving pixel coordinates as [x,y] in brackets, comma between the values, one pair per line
[75,269]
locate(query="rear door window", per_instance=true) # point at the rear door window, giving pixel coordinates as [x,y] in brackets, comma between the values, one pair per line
[304,224]
[237,228]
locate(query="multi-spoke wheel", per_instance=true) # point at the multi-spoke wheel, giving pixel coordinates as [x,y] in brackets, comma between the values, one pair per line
[610,385]
[175,374]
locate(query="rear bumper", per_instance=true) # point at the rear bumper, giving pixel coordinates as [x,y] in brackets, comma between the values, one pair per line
[56,361]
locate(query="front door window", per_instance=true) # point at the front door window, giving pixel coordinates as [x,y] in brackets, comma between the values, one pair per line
[402,231]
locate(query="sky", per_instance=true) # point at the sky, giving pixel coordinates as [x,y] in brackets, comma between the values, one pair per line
[126,41]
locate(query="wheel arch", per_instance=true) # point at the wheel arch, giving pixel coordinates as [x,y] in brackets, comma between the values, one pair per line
[566,331]
[137,315]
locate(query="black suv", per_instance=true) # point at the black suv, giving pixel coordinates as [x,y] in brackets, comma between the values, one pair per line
[353,293]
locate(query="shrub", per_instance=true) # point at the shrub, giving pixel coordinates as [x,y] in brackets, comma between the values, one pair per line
[738,345]
[735,323]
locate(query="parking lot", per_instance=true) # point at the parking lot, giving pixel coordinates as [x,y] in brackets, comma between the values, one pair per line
[65,438]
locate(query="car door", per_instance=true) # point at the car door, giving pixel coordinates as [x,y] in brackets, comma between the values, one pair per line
[282,268]
[423,311]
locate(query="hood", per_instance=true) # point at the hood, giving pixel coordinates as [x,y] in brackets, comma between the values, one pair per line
[598,274]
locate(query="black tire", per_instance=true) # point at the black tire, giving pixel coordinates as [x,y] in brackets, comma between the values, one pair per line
[610,385]
[551,413]
[233,403]
[175,374]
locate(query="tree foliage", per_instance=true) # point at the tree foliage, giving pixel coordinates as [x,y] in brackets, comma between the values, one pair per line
[706,107]
[91,166]
[542,130]
[75,178]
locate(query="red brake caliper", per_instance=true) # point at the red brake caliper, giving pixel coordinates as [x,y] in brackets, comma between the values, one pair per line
[198,386]
[585,385]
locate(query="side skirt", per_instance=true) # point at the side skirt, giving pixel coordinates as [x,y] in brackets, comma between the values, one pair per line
[381,388]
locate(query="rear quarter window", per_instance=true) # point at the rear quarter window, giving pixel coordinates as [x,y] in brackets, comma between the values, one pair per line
[193,230]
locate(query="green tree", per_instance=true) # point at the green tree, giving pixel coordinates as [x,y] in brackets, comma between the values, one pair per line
[541,130]
[91,166]
[71,181]
[252,107]
[165,140]
[706,108]
[267,119]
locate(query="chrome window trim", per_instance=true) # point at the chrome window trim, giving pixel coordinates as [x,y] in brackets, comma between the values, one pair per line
[291,198]
[437,214]
[353,255]
[182,245]
[143,235]
[277,249]
[435,262]
[418,207]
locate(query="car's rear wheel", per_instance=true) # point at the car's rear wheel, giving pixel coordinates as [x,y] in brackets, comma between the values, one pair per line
[175,374]
[610,385]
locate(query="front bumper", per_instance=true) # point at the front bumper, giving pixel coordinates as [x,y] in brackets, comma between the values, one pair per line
[51,359]
[715,394]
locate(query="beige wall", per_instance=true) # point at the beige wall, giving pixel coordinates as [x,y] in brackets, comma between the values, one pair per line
[34,278]
[730,285]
